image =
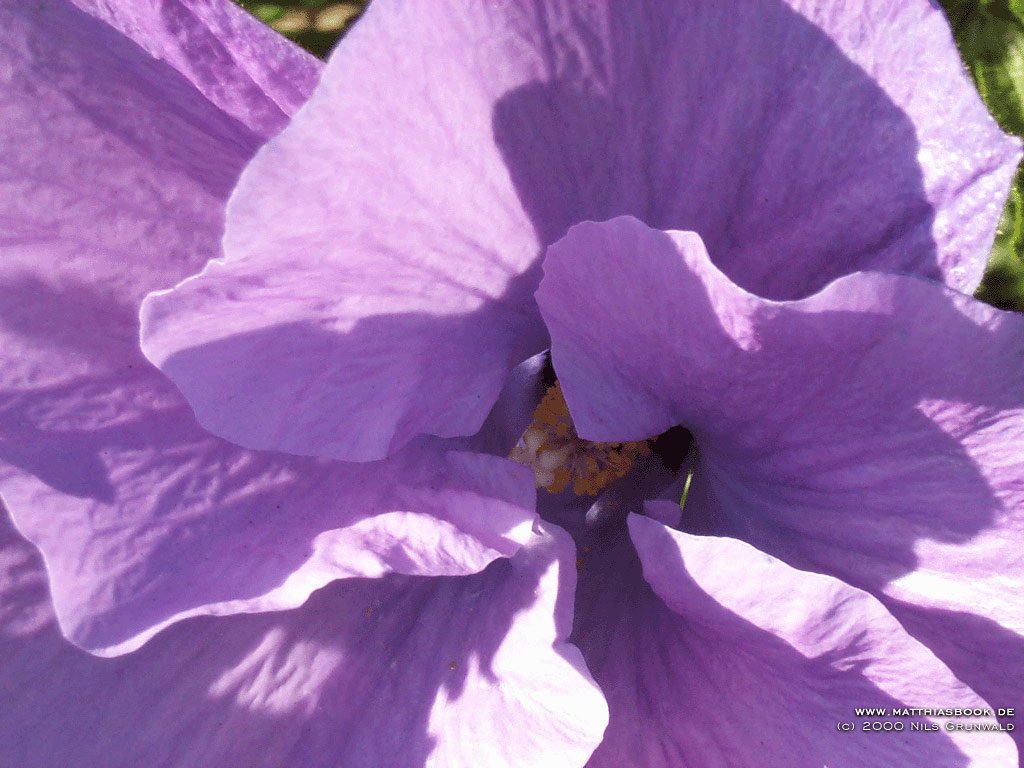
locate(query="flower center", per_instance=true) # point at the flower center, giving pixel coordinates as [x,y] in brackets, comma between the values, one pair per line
[559,457]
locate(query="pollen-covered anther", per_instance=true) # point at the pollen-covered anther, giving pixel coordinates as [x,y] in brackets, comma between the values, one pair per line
[559,457]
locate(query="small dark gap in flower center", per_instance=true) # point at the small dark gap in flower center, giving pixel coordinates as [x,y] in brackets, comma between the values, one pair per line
[673,446]
[547,372]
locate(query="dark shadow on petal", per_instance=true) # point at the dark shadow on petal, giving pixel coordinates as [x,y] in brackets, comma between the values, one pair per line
[849,451]
[713,687]
[82,320]
[183,698]
[513,411]
[305,389]
[811,455]
[162,498]
[820,429]
[112,433]
[162,104]
[746,124]
[984,655]
[67,464]
[90,327]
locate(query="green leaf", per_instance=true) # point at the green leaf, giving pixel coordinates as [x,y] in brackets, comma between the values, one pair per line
[266,12]
[990,35]
[316,25]
[1003,284]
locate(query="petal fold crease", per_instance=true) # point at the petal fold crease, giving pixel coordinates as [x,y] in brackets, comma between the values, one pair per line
[393,671]
[144,518]
[382,252]
[870,432]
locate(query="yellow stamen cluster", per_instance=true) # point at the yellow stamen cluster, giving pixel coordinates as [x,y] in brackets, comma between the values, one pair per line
[558,456]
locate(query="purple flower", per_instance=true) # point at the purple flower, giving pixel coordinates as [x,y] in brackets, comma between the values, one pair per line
[332,560]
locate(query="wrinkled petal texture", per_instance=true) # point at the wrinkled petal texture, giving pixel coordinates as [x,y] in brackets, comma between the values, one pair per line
[871,431]
[143,517]
[718,655]
[239,64]
[180,525]
[397,671]
[381,254]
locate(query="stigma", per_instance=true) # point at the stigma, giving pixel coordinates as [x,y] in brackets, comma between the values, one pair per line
[560,458]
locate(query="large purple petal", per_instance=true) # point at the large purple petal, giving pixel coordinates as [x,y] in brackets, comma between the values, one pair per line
[871,431]
[145,520]
[979,650]
[142,516]
[718,655]
[119,160]
[239,64]
[396,671]
[381,253]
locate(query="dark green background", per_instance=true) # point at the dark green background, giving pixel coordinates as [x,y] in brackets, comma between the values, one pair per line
[990,34]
